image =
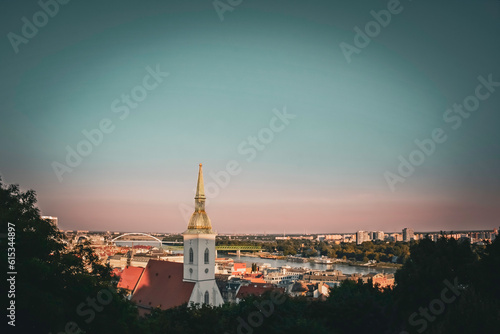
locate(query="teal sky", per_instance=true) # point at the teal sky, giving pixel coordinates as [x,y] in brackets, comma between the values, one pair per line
[324,172]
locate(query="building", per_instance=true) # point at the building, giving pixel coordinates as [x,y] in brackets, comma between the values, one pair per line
[167,284]
[331,278]
[382,280]
[199,252]
[362,236]
[139,261]
[228,287]
[334,237]
[395,237]
[408,234]
[349,238]
[310,290]
[117,261]
[378,235]
[129,278]
[282,278]
[256,289]
[161,286]
[227,266]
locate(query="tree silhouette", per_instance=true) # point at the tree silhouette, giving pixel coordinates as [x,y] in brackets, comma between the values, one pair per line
[56,288]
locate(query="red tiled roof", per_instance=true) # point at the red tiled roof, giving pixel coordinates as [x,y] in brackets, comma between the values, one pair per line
[129,277]
[161,286]
[257,280]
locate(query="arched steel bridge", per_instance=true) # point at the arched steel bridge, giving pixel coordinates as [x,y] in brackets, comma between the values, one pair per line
[136,233]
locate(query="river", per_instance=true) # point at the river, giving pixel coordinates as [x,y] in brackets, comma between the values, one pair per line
[345,268]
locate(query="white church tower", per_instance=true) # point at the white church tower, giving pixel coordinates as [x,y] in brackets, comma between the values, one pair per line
[199,252]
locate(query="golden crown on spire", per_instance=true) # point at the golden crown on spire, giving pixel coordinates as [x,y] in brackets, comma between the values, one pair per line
[199,221]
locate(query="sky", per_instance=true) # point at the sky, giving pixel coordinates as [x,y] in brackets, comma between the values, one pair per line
[308,117]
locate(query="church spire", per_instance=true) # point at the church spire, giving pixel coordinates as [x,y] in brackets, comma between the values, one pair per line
[200,189]
[199,221]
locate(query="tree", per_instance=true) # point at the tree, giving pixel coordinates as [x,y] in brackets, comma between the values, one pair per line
[332,253]
[54,286]
[354,307]
[450,266]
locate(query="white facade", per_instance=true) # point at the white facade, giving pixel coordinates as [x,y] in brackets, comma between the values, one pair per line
[197,249]
[199,253]
[281,278]
[408,234]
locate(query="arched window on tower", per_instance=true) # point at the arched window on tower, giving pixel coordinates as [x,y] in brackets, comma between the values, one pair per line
[206,256]
[191,255]
[207,297]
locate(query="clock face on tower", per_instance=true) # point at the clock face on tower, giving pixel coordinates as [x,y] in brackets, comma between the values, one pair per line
[206,271]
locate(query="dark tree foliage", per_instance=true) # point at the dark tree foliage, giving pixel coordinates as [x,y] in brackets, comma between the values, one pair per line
[459,284]
[55,288]
[355,307]
[431,263]
[252,315]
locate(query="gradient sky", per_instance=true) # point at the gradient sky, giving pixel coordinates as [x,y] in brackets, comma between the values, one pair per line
[324,172]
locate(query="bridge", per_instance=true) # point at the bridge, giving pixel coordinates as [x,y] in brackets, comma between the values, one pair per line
[136,233]
[236,248]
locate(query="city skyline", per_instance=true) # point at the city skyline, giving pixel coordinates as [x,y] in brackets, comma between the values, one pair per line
[186,209]
[300,121]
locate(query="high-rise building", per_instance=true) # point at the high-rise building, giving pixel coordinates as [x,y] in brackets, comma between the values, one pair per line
[395,237]
[362,236]
[199,252]
[378,235]
[408,234]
